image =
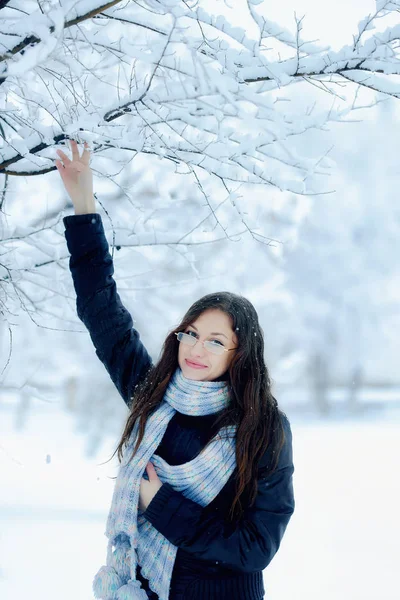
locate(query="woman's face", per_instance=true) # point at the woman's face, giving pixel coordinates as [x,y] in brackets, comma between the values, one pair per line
[213,325]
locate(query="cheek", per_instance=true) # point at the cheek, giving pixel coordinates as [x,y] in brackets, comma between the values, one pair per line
[221,362]
[228,359]
[183,353]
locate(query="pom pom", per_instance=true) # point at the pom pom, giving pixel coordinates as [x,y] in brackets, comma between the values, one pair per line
[120,560]
[106,582]
[131,591]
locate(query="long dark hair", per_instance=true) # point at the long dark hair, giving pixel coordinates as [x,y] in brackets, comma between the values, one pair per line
[252,407]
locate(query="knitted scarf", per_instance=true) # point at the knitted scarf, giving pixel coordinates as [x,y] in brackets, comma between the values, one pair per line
[134,539]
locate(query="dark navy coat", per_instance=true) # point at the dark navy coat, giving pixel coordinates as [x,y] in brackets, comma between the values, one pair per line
[214,560]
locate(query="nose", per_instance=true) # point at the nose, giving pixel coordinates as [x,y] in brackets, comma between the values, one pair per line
[198,349]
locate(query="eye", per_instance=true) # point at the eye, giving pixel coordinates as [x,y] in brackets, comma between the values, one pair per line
[215,341]
[189,332]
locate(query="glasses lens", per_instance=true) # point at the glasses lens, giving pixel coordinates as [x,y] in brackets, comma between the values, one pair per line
[186,339]
[190,340]
[214,348]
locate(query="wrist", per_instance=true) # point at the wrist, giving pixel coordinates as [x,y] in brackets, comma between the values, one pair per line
[85,208]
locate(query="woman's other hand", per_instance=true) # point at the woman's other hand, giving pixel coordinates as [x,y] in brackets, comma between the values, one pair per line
[148,489]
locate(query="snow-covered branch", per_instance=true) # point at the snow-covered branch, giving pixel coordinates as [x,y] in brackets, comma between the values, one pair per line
[169,79]
[18,57]
[191,87]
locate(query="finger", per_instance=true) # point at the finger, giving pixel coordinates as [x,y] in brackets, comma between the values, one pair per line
[152,472]
[86,154]
[75,150]
[63,156]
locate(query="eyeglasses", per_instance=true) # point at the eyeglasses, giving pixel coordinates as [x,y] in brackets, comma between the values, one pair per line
[213,347]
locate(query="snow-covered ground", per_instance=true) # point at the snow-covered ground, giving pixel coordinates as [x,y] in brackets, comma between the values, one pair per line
[341,544]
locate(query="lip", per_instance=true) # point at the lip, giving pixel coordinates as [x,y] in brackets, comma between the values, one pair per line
[194,365]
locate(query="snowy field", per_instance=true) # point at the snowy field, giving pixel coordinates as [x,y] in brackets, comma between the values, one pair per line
[341,544]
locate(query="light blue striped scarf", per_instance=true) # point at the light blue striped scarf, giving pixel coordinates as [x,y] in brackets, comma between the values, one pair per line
[134,539]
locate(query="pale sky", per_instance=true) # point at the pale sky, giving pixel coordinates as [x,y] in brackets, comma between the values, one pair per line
[332,22]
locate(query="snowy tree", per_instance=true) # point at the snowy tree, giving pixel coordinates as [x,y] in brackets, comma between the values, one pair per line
[225,112]
[343,272]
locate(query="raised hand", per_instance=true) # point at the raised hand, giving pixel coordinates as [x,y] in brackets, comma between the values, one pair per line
[77,177]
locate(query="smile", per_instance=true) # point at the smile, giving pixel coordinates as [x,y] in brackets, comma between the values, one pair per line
[193,365]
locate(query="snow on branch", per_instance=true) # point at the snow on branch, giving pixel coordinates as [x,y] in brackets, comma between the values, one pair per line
[176,81]
[38,34]
[169,79]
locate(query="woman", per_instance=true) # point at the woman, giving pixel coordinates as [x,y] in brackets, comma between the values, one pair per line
[204,491]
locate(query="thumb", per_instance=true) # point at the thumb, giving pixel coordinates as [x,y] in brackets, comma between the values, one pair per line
[151,471]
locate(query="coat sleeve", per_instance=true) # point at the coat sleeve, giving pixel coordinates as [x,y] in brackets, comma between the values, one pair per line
[99,306]
[252,543]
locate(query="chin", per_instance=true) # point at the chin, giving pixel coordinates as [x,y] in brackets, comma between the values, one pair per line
[194,373]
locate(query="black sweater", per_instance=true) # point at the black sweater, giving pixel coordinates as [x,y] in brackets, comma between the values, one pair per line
[224,561]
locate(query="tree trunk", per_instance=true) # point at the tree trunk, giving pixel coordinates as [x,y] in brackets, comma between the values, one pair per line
[319,382]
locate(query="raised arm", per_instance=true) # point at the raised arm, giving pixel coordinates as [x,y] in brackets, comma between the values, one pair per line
[99,306]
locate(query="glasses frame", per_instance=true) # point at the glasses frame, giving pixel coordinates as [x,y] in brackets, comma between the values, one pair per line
[196,341]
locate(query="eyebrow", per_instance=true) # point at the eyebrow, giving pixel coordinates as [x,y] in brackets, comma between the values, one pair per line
[212,333]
